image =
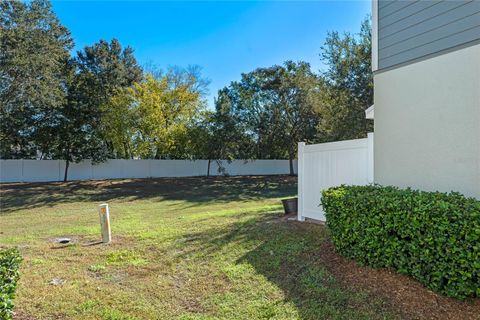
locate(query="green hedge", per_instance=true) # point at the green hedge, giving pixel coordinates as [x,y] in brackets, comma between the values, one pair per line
[9,263]
[432,236]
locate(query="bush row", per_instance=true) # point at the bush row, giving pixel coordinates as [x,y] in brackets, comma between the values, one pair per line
[432,236]
[9,263]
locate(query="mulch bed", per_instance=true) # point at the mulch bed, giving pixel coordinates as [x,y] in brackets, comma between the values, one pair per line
[403,293]
[408,296]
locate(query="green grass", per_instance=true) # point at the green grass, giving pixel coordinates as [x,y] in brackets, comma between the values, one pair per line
[190,248]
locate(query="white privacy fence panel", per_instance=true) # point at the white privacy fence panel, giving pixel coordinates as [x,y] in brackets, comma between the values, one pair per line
[178,168]
[53,170]
[41,171]
[321,166]
[76,171]
[253,167]
[11,170]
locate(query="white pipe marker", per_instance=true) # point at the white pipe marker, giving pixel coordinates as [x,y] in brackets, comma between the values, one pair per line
[105,223]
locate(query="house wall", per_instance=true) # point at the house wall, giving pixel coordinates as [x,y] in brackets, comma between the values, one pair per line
[409,30]
[427,123]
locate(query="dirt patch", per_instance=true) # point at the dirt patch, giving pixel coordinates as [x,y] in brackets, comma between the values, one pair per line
[20,315]
[64,240]
[410,297]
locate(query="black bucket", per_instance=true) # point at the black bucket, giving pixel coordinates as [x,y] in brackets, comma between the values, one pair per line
[290,205]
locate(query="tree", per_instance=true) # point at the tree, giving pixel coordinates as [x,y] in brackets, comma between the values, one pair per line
[294,89]
[347,89]
[276,107]
[96,75]
[202,141]
[155,118]
[34,50]
[219,136]
[164,114]
[231,134]
[120,119]
[104,69]
[75,138]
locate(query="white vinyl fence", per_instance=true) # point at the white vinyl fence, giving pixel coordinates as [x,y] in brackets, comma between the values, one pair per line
[53,170]
[325,165]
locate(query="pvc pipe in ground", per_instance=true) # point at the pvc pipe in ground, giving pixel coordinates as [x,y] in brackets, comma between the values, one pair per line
[105,223]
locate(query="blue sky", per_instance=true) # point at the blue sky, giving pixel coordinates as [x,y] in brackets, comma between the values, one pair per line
[224,38]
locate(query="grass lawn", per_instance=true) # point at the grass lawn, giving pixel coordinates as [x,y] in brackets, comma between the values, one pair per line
[192,248]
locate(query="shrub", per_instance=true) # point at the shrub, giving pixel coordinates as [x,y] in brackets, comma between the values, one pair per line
[432,236]
[9,263]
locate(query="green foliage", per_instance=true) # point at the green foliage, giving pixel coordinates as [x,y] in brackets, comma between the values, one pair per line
[230,137]
[95,75]
[9,263]
[98,105]
[156,118]
[432,236]
[34,49]
[50,103]
[102,70]
[347,89]
[272,108]
[119,121]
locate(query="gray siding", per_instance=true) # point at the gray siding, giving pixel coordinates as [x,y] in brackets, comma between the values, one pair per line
[408,30]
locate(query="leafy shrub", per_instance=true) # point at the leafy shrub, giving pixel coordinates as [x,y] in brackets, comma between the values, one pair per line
[9,263]
[432,236]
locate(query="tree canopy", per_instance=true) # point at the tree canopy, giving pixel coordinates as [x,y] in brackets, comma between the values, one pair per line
[98,103]
[34,52]
[348,85]
[152,118]
[275,109]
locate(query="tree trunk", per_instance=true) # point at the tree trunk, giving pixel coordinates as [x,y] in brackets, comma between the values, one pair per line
[290,160]
[208,168]
[67,164]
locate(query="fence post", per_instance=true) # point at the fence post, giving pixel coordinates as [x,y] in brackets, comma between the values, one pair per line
[301,149]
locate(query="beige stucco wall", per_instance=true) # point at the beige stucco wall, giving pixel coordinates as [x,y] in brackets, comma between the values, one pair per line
[427,124]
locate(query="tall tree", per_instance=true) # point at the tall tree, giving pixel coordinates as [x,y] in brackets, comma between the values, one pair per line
[294,89]
[120,120]
[348,85]
[154,118]
[221,135]
[277,107]
[231,133]
[34,50]
[75,138]
[103,69]
[99,72]
[201,137]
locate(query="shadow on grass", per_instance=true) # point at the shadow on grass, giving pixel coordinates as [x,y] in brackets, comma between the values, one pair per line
[195,190]
[288,254]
